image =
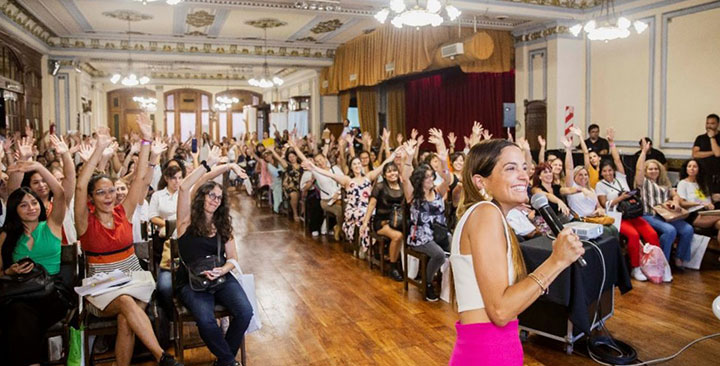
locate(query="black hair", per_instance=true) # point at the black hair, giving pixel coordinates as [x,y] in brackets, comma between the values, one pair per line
[27,178]
[593,126]
[606,162]
[646,139]
[350,171]
[162,183]
[416,179]
[221,217]
[95,178]
[701,179]
[713,115]
[14,227]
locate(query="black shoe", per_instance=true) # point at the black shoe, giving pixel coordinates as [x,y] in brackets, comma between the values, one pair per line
[235,363]
[396,275]
[167,360]
[430,293]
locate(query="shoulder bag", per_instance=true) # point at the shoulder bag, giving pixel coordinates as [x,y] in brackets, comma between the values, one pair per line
[196,271]
[33,285]
[631,207]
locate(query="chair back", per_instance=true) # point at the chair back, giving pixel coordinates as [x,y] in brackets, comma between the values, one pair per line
[170,226]
[144,230]
[69,271]
[144,252]
[175,259]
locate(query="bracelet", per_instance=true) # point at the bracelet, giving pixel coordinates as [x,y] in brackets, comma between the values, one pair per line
[146,142]
[540,283]
[204,164]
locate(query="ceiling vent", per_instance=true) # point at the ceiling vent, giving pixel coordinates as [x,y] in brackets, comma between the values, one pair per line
[452,50]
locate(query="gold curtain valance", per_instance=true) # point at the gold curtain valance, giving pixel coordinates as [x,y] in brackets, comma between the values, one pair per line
[361,61]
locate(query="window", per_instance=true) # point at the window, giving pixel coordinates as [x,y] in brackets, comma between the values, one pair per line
[352,115]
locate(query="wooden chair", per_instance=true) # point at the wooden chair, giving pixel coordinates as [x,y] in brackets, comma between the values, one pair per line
[376,255]
[70,277]
[95,326]
[182,314]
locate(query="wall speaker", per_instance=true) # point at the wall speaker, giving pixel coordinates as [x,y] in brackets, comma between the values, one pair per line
[509,115]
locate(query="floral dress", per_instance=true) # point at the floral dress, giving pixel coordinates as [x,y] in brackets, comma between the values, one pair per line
[356,203]
[291,180]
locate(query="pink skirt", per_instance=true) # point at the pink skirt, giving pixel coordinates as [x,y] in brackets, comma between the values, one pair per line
[487,344]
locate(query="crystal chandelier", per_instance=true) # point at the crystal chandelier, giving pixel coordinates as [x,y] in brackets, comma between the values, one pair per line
[148,104]
[129,79]
[223,103]
[608,27]
[265,80]
[417,16]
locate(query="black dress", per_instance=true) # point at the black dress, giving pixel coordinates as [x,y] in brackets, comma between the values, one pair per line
[386,198]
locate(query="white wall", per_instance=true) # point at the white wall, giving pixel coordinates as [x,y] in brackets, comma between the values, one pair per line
[661,83]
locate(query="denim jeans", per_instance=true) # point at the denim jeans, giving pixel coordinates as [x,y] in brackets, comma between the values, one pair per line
[669,231]
[164,291]
[202,306]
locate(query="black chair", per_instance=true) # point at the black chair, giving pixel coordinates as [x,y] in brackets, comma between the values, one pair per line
[182,315]
[70,277]
[376,255]
[95,326]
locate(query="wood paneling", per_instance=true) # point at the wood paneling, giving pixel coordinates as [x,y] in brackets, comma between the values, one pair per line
[123,111]
[20,66]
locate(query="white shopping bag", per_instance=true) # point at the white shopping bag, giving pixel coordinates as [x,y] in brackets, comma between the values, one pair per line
[445,287]
[413,264]
[247,281]
[698,246]
[615,214]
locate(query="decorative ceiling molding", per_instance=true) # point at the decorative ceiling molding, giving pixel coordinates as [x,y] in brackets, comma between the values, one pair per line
[306,39]
[200,19]
[175,48]
[570,4]
[196,34]
[367,11]
[24,19]
[541,34]
[266,23]
[327,26]
[127,15]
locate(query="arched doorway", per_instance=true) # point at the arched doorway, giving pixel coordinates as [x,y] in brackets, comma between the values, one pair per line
[233,121]
[187,112]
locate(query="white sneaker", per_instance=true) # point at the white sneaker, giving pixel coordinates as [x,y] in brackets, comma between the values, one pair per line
[315,234]
[667,276]
[638,275]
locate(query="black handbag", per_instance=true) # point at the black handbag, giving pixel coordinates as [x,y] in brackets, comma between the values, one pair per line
[631,207]
[441,235]
[397,215]
[196,277]
[34,285]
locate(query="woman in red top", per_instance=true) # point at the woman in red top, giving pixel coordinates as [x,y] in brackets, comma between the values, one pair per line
[106,238]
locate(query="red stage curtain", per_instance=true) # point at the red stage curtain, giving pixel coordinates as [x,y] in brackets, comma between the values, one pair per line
[451,100]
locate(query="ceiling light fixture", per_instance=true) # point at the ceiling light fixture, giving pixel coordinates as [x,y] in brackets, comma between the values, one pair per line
[225,102]
[265,80]
[417,16]
[148,104]
[129,79]
[608,26]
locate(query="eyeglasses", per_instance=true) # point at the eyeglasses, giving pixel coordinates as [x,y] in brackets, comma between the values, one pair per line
[214,197]
[106,192]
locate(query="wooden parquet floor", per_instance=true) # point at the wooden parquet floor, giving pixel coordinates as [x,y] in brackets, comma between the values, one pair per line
[320,306]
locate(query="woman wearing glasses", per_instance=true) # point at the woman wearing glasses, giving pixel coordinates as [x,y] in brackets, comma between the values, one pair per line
[106,236]
[203,224]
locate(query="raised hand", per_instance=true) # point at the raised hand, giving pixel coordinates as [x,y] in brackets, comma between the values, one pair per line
[134,148]
[541,141]
[399,139]
[523,143]
[576,131]
[85,151]
[145,126]
[452,138]
[644,145]
[611,134]
[213,156]
[466,140]
[486,135]
[58,143]
[385,136]
[158,147]
[436,137]
[509,134]
[103,137]
[477,128]
[240,172]
[25,148]
[28,131]
[110,150]
[413,134]
[410,146]
[21,166]
[420,140]
[567,142]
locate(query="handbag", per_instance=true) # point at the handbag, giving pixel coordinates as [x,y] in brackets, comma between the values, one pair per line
[196,276]
[631,207]
[33,285]
[601,220]
[441,235]
[396,217]
[671,215]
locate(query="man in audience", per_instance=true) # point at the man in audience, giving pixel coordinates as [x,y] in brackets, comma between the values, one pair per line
[594,142]
[707,150]
[653,153]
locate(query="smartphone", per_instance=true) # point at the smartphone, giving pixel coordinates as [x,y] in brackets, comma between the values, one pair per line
[326,135]
[24,261]
[194,145]
[633,192]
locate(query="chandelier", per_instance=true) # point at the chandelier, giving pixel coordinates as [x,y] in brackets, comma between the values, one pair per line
[223,103]
[608,26]
[130,78]
[169,2]
[265,81]
[417,16]
[148,104]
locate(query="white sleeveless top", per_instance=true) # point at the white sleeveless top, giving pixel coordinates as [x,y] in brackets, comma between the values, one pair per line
[466,287]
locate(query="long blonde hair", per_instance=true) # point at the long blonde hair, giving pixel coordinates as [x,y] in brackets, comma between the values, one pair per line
[662,179]
[481,160]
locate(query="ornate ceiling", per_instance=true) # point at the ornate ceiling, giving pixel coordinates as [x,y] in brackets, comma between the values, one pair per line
[224,35]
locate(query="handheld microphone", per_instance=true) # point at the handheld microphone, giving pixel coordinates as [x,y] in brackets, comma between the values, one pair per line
[540,203]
